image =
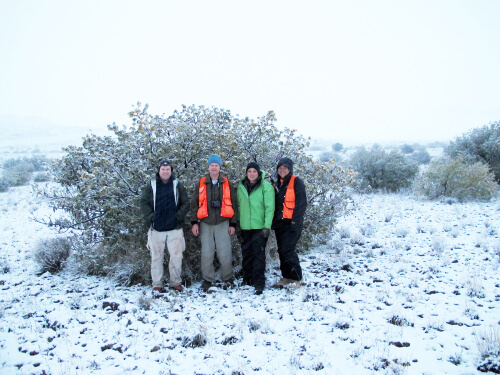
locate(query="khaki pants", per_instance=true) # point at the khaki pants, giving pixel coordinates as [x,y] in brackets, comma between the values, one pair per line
[216,238]
[176,245]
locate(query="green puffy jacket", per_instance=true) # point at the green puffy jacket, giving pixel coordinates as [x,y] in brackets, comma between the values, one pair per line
[256,209]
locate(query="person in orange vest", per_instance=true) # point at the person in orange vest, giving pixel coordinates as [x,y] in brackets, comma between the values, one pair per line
[214,217]
[288,221]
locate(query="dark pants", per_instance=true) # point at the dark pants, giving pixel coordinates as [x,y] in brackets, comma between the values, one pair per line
[289,260]
[254,258]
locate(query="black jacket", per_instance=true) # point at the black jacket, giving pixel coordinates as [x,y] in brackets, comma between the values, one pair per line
[299,211]
[148,204]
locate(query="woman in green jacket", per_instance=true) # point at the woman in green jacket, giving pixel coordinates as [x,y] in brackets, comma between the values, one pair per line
[256,211]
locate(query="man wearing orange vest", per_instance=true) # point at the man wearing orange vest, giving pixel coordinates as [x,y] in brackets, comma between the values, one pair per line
[214,217]
[291,203]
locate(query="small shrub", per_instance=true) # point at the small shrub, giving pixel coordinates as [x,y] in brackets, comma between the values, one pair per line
[17,172]
[421,157]
[439,244]
[382,170]
[479,145]
[41,177]
[4,266]
[4,185]
[197,341]
[454,178]
[399,321]
[145,303]
[327,156]
[455,359]
[52,254]
[488,342]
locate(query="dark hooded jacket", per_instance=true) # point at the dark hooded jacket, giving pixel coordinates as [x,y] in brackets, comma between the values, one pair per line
[280,186]
[181,201]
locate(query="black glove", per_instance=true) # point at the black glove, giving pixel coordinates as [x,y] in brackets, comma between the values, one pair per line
[266,232]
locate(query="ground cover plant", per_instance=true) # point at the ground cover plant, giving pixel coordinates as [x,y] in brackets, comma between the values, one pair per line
[404,286]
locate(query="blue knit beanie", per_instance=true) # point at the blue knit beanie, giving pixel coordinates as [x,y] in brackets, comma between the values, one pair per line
[214,158]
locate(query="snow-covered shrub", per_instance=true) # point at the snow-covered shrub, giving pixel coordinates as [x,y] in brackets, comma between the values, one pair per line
[4,184]
[100,182]
[41,177]
[455,231]
[421,157]
[475,286]
[402,230]
[447,177]
[327,156]
[4,266]
[382,170]
[17,172]
[479,145]
[127,259]
[488,342]
[495,247]
[51,254]
[439,244]
[344,231]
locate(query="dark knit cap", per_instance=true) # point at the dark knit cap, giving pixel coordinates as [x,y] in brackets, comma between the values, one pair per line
[253,165]
[286,162]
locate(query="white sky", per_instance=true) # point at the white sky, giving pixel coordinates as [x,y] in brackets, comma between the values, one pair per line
[359,70]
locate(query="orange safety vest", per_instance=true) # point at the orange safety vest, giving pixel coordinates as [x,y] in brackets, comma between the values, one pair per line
[226,209]
[289,201]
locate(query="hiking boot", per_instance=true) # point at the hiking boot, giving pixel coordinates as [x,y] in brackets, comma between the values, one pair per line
[206,285]
[282,282]
[246,283]
[158,291]
[288,283]
[259,291]
[294,284]
[228,284]
[178,288]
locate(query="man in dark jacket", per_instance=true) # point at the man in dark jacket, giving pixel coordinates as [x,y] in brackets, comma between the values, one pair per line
[291,203]
[214,214]
[164,204]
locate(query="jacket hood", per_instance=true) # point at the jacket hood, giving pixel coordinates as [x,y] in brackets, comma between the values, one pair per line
[287,162]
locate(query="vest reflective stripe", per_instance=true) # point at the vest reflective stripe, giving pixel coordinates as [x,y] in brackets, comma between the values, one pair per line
[226,209]
[289,201]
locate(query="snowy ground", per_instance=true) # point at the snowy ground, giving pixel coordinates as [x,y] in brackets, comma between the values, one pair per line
[405,287]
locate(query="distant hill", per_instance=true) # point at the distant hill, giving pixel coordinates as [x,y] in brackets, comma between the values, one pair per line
[30,134]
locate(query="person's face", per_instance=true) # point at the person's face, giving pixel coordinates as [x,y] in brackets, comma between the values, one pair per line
[214,169]
[252,174]
[165,172]
[283,171]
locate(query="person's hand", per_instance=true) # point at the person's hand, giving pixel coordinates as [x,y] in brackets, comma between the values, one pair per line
[232,230]
[195,229]
[266,232]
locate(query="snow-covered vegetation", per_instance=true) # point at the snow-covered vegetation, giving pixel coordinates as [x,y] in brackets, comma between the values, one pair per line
[404,287]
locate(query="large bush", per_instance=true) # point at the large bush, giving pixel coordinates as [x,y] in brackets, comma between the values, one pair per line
[100,182]
[479,145]
[455,178]
[379,169]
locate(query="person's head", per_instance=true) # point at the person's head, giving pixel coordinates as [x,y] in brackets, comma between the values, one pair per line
[253,171]
[214,163]
[284,167]
[165,170]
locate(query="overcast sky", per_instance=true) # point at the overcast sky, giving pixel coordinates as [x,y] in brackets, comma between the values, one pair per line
[360,70]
